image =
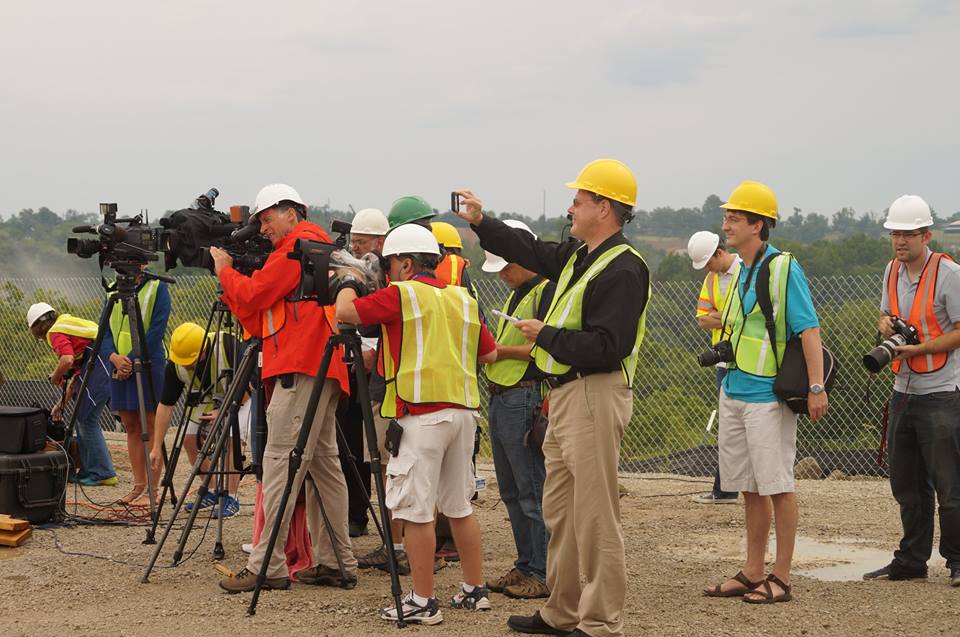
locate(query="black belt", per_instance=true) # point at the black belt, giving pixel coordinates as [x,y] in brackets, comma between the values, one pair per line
[496,389]
[556,381]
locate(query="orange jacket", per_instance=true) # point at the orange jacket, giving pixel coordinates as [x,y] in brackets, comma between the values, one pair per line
[300,329]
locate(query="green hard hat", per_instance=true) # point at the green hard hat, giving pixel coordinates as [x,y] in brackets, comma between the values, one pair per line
[409,208]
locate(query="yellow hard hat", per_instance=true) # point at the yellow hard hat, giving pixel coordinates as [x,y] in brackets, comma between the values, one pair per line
[186,342]
[608,178]
[752,196]
[446,234]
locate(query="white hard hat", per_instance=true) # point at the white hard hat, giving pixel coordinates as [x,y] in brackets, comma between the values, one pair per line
[908,212]
[701,247]
[370,221]
[272,194]
[410,238]
[36,311]
[494,263]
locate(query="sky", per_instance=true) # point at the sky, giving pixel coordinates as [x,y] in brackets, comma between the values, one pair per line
[148,104]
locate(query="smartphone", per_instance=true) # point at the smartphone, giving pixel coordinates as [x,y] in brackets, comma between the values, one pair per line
[454,202]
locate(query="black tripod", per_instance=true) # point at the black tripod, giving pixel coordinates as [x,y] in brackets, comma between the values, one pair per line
[350,339]
[129,275]
[225,425]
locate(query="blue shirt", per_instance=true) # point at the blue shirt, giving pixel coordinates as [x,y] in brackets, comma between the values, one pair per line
[800,316]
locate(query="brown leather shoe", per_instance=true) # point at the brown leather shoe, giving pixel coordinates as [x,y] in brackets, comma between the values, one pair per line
[513,576]
[528,588]
[321,575]
[245,581]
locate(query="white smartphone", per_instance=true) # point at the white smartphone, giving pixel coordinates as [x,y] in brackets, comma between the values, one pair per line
[512,319]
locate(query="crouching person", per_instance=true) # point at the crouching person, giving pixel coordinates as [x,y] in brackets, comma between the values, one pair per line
[431,340]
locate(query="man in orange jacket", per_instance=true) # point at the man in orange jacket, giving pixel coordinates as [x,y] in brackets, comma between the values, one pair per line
[294,335]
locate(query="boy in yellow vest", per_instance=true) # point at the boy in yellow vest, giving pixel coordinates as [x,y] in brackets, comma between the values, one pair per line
[514,400]
[432,341]
[69,337]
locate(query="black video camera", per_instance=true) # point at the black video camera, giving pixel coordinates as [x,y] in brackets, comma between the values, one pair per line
[722,352]
[121,241]
[881,355]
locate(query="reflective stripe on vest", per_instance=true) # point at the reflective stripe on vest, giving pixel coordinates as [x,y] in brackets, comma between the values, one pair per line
[566,311]
[440,335]
[713,299]
[220,349]
[120,324]
[748,335]
[509,371]
[73,326]
[922,316]
[450,269]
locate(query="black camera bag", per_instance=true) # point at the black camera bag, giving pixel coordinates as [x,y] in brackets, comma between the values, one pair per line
[791,384]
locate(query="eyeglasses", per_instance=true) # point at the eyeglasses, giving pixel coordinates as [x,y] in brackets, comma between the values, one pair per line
[897,234]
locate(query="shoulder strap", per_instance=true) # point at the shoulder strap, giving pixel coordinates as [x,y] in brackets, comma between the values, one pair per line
[763,300]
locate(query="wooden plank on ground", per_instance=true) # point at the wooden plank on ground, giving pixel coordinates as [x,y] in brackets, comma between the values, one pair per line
[15,538]
[8,523]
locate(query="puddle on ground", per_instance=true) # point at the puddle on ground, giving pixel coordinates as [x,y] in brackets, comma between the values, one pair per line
[837,560]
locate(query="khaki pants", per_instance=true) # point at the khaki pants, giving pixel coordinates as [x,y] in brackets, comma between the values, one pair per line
[581,504]
[321,464]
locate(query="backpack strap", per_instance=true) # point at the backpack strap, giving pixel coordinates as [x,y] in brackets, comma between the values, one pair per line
[765,303]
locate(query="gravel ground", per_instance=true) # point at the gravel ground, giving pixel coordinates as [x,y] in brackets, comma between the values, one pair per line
[674,548]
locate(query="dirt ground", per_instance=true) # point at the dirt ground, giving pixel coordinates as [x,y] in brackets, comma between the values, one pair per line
[674,548]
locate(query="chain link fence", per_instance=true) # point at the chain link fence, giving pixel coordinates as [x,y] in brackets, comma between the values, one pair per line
[673,428]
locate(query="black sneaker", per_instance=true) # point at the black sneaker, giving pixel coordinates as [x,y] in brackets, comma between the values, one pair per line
[477,599]
[955,577]
[415,613]
[534,625]
[894,571]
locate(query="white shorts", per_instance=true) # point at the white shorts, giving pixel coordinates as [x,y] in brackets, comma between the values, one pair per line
[434,469]
[758,446]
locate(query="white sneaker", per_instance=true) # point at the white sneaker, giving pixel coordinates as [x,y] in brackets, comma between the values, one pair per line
[415,613]
[710,498]
[247,548]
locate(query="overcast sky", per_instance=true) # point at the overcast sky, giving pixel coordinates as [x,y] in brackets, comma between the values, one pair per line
[831,103]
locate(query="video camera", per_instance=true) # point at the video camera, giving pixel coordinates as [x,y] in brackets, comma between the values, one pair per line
[135,243]
[327,268]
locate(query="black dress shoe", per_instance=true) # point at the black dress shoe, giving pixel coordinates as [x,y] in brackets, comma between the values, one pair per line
[358,530]
[894,571]
[535,625]
[955,577]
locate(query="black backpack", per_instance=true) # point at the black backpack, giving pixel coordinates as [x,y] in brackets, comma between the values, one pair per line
[791,384]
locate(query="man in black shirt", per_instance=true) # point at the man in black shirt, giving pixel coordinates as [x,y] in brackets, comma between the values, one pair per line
[588,347]
[514,401]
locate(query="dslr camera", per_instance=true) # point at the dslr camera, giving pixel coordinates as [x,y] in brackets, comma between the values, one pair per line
[722,352]
[881,355]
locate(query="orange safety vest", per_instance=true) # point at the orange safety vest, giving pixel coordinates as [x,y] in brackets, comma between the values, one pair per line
[450,270]
[922,317]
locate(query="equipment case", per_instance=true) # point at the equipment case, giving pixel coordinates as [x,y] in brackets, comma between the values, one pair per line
[33,485]
[22,429]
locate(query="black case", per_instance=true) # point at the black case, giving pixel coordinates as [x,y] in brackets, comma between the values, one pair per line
[33,485]
[22,429]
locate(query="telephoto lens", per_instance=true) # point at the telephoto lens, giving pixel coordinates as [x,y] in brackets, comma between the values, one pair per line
[881,355]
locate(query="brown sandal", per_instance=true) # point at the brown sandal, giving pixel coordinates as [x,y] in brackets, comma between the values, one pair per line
[135,493]
[766,593]
[733,592]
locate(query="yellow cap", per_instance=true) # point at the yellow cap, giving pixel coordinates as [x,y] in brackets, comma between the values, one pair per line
[446,234]
[185,343]
[752,196]
[608,178]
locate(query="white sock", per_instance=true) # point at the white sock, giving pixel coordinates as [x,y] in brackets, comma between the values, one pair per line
[397,547]
[467,588]
[420,601]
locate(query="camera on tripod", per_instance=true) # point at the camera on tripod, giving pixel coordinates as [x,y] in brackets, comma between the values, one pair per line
[881,355]
[326,268]
[722,352]
[133,243]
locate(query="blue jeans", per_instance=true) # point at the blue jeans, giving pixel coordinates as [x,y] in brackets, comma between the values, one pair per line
[520,474]
[717,491]
[923,439]
[94,455]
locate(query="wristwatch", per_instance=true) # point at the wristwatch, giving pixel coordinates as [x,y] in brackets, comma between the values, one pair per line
[816,388]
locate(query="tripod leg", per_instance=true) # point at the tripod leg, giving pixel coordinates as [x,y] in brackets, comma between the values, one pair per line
[296,459]
[355,474]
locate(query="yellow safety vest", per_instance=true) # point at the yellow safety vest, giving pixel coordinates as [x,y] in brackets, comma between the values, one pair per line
[440,336]
[509,371]
[748,334]
[566,311]
[712,298]
[73,326]
[213,379]
[120,323]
